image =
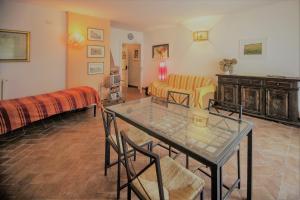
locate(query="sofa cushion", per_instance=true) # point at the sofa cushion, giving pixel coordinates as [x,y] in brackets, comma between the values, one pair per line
[171,80]
[187,84]
[183,81]
[190,83]
[177,81]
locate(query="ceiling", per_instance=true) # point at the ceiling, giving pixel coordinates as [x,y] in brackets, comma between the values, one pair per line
[142,15]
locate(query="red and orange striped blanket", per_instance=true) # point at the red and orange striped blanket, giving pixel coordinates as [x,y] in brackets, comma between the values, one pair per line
[16,113]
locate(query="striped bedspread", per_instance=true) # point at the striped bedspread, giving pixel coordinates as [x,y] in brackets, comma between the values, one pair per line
[16,113]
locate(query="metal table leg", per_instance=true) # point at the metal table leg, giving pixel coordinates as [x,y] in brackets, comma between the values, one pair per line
[249,166]
[215,182]
[107,156]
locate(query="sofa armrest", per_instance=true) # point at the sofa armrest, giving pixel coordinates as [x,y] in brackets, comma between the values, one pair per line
[152,89]
[203,94]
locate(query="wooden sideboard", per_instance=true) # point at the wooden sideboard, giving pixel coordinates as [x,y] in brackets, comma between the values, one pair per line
[268,97]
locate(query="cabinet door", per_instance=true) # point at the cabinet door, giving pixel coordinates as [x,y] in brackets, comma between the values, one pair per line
[251,99]
[277,103]
[228,93]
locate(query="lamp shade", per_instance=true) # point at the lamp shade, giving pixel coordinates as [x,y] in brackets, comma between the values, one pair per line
[76,39]
[200,35]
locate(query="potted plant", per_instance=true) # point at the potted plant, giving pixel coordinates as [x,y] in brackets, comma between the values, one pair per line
[226,65]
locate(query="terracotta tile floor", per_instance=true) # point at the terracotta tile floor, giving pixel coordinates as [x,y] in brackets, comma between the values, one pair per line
[63,158]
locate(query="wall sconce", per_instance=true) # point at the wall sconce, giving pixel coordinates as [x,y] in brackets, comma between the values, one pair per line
[76,39]
[200,36]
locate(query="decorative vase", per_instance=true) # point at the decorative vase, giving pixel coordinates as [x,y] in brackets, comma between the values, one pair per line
[227,73]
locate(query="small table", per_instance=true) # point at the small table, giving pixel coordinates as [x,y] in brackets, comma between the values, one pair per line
[212,145]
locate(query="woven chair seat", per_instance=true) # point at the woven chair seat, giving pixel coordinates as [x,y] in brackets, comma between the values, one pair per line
[136,135]
[178,182]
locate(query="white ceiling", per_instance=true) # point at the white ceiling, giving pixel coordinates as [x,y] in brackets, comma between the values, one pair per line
[144,15]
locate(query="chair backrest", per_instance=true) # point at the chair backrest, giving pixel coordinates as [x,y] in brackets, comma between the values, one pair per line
[108,118]
[132,174]
[178,98]
[216,107]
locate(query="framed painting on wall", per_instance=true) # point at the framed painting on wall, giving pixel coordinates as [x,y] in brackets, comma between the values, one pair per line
[95,34]
[95,68]
[136,55]
[14,46]
[160,51]
[95,51]
[253,48]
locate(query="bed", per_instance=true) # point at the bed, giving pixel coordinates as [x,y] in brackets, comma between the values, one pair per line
[16,113]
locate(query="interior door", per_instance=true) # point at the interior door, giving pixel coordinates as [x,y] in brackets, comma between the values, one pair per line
[124,65]
[134,64]
[124,77]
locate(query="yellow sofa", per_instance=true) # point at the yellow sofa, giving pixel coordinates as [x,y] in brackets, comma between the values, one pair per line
[200,88]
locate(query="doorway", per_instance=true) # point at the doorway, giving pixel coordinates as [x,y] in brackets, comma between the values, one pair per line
[131,66]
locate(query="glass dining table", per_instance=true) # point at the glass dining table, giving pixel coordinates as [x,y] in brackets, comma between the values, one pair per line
[208,138]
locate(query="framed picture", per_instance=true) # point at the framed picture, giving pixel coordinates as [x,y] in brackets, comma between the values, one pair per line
[253,48]
[136,54]
[95,51]
[95,34]
[160,51]
[95,68]
[14,46]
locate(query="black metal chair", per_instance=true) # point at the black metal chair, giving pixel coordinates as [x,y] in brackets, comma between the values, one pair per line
[227,110]
[159,100]
[178,98]
[161,178]
[216,107]
[113,139]
[182,99]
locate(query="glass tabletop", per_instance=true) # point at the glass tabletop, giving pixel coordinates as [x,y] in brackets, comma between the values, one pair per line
[196,130]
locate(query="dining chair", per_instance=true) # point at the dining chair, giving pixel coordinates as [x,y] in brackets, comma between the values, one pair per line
[233,112]
[162,102]
[159,100]
[178,98]
[181,99]
[160,179]
[113,139]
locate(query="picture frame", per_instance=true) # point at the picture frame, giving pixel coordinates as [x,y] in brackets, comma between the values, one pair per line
[160,51]
[14,46]
[95,68]
[136,54]
[95,51]
[253,48]
[95,34]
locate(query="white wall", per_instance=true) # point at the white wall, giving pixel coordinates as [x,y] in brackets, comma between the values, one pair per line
[46,70]
[186,56]
[279,23]
[118,37]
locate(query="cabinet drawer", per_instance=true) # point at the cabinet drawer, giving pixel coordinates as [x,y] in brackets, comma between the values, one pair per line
[277,103]
[254,82]
[228,80]
[278,84]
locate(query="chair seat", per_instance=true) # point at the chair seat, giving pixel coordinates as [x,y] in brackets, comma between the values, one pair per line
[138,136]
[178,182]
